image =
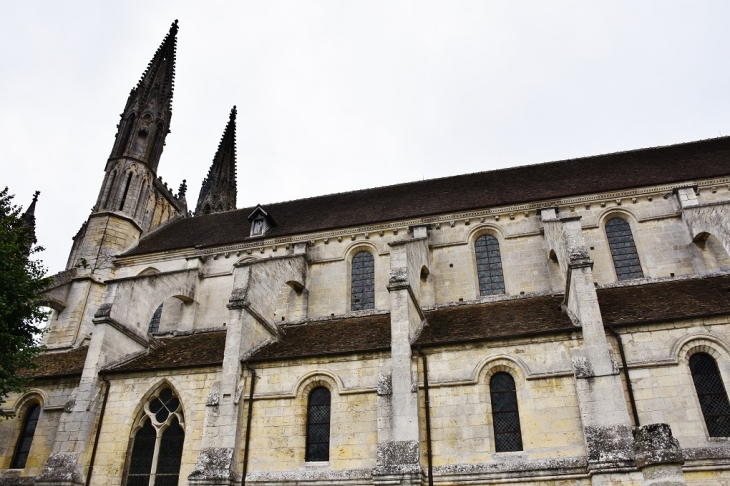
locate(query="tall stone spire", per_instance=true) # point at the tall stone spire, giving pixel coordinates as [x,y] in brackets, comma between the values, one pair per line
[146,118]
[219,188]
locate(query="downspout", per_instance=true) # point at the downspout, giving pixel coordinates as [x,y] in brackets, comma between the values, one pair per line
[428,417]
[248,422]
[98,429]
[626,374]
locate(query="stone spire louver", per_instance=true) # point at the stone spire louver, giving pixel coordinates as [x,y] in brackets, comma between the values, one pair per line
[218,192]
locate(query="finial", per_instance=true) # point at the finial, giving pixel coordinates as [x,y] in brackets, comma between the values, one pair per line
[233,113]
[35,195]
[182,189]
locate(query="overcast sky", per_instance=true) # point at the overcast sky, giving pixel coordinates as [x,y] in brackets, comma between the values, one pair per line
[340,95]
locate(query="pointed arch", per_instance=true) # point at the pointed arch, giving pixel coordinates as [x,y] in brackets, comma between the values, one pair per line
[126,132]
[157,439]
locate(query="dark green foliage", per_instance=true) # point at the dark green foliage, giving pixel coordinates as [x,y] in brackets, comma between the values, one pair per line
[21,284]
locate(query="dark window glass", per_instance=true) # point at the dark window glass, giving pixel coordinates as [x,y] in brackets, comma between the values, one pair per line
[155,321]
[318,425]
[711,393]
[163,433]
[489,266]
[126,190]
[507,434]
[26,437]
[363,281]
[143,450]
[623,250]
[170,454]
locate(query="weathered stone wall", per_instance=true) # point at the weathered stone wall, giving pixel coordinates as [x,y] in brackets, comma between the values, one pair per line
[127,396]
[278,428]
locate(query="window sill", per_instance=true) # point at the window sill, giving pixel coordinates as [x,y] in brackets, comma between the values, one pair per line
[315,465]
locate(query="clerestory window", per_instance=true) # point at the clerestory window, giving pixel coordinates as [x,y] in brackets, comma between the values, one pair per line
[363,281]
[505,416]
[318,425]
[711,394]
[158,443]
[25,440]
[623,250]
[489,265]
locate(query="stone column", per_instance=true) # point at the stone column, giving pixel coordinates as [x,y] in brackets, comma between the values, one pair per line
[658,455]
[399,455]
[110,342]
[606,423]
[255,289]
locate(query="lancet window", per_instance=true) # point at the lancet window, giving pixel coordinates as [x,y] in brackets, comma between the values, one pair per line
[26,437]
[489,265]
[363,281]
[155,321]
[158,443]
[318,425]
[505,416]
[623,249]
[711,394]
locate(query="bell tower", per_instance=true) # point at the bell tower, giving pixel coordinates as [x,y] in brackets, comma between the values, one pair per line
[133,199]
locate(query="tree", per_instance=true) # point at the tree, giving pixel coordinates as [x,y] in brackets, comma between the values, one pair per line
[22,281]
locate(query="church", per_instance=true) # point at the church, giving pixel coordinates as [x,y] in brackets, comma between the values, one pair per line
[564,323]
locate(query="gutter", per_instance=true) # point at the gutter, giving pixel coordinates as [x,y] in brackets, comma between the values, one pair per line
[248,423]
[428,417]
[98,429]
[629,387]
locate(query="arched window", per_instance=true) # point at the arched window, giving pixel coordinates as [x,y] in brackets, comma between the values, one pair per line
[26,437]
[109,190]
[489,266]
[711,393]
[363,281]
[157,445]
[155,321]
[126,190]
[506,419]
[318,425]
[623,250]
[125,135]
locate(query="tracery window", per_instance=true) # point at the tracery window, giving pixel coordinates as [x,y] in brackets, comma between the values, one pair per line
[26,437]
[363,281]
[505,416]
[157,446]
[623,249]
[711,394]
[318,425]
[489,266]
[155,321]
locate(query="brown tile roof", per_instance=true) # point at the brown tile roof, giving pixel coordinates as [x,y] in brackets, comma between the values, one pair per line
[351,335]
[65,363]
[671,164]
[677,299]
[188,351]
[508,318]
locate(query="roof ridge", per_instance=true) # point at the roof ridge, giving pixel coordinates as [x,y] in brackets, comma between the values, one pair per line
[503,169]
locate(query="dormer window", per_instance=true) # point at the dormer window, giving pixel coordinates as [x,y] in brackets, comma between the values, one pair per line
[261,222]
[258,226]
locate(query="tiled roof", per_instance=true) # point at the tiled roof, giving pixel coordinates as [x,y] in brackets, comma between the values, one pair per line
[676,299]
[523,316]
[541,182]
[65,363]
[660,301]
[350,335]
[188,351]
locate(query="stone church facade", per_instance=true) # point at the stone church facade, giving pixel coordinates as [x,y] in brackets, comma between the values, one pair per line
[555,324]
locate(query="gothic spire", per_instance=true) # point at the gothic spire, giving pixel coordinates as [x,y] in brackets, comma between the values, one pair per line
[218,192]
[146,118]
[29,217]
